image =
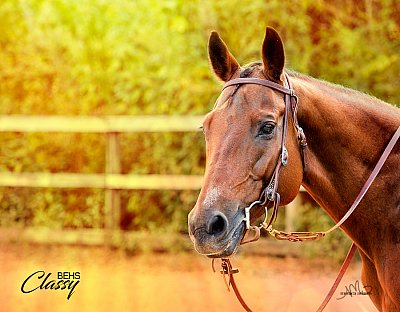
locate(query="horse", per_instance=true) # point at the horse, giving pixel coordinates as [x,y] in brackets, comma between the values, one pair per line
[346,132]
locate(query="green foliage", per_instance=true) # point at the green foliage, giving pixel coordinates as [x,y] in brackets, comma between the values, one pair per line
[51,208]
[117,57]
[120,57]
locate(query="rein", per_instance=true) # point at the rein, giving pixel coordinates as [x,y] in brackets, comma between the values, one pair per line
[270,192]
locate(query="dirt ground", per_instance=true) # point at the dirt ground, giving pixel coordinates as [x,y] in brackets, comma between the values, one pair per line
[110,280]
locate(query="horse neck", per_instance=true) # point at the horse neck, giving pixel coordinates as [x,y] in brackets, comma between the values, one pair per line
[346,133]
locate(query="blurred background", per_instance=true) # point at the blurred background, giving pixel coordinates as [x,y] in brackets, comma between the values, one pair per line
[101,158]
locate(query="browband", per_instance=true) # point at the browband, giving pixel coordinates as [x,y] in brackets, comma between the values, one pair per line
[263,82]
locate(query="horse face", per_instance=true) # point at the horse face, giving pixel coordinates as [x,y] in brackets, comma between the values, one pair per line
[243,139]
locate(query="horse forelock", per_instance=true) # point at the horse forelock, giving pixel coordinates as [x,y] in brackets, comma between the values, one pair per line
[249,69]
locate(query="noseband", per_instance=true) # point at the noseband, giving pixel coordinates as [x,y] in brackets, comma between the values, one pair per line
[269,194]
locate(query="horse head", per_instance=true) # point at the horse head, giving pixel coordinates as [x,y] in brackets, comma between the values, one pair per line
[243,134]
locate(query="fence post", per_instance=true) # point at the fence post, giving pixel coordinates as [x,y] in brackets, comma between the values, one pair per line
[112,196]
[290,213]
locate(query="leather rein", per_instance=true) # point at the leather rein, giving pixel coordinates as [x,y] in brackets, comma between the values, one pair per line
[270,194]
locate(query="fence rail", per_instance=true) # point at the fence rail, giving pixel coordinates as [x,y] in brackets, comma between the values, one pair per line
[105,181]
[106,124]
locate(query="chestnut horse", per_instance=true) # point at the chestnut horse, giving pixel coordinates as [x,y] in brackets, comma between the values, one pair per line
[346,131]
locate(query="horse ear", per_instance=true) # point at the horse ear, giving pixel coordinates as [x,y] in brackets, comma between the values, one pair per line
[273,55]
[222,61]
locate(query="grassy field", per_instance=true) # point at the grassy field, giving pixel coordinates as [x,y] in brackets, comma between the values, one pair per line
[111,280]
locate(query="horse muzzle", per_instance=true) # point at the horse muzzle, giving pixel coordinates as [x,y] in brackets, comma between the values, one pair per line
[214,235]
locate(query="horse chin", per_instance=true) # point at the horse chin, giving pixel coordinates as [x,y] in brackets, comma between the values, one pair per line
[230,244]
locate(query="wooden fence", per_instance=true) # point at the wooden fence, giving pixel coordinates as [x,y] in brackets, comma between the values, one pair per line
[112,180]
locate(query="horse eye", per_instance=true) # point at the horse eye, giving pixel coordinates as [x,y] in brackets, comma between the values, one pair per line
[266,130]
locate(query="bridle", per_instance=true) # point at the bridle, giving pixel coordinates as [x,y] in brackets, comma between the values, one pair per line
[270,195]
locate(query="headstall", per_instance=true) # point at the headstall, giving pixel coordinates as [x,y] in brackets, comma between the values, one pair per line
[270,194]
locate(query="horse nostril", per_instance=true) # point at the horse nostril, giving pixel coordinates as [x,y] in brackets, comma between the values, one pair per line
[217,224]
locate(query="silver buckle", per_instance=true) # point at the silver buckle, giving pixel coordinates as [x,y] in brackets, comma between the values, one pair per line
[247,213]
[284,156]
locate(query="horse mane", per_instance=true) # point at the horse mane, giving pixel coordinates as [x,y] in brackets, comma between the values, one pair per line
[249,68]
[339,89]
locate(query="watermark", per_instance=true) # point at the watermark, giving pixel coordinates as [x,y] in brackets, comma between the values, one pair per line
[355,290]
[40,280]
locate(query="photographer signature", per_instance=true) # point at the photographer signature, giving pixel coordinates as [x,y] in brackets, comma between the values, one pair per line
[355,290]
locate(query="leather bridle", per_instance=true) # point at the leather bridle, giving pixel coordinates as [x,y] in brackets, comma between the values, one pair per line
[270,193]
